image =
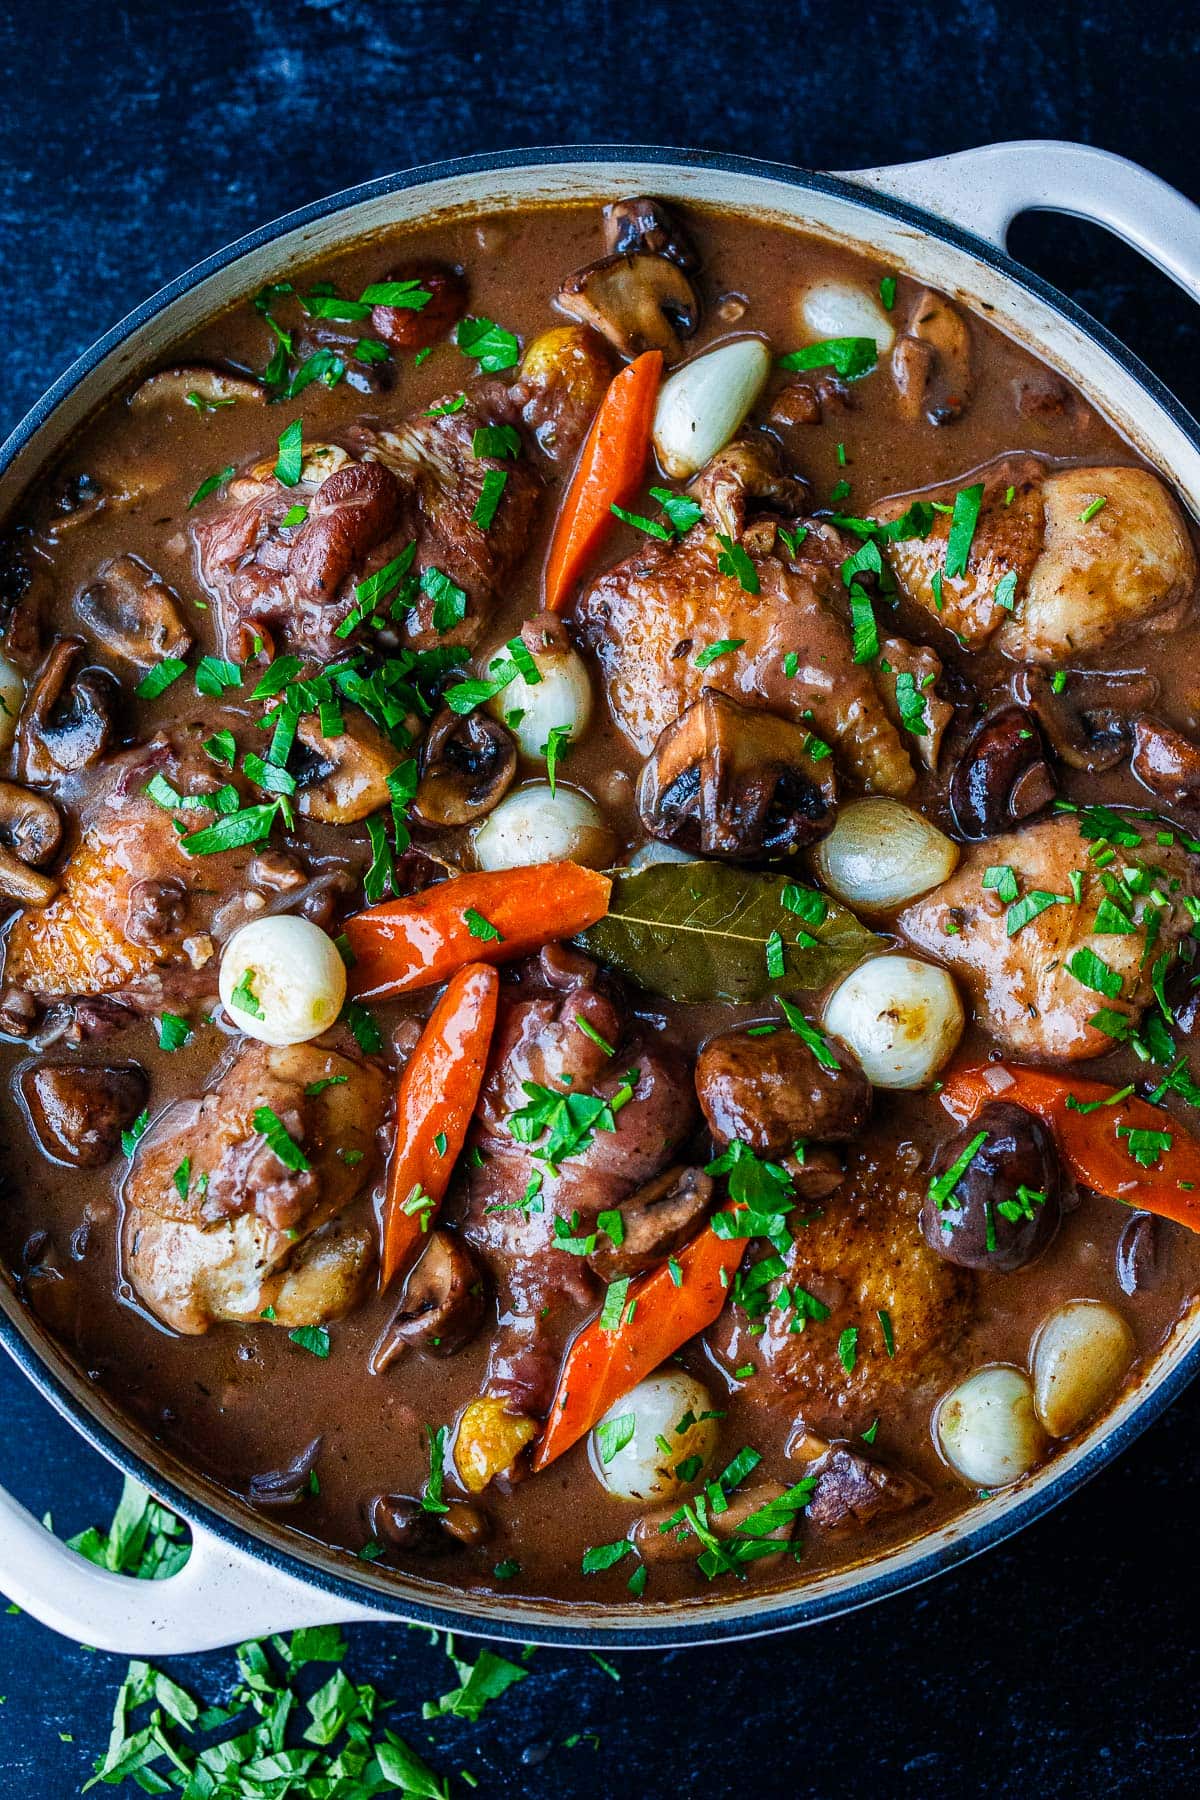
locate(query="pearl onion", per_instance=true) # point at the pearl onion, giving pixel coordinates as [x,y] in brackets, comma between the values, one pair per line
[12,693]
[296,979]
[562,697]
[901,1017]
[534,825]
[641,1469]
[987,1428]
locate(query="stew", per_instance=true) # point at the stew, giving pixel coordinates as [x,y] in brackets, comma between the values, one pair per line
[639,773]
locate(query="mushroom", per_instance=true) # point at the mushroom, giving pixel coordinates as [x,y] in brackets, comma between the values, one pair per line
[655,1221]
[769,1091]
[30,833]
[441,1307]
[77,1111]
[211,386]
[1002,776]
[1166,762]
[638,302]
[733,781]
[931,362]
[416,328]
[643,224]
[468,763]
[1007,1202]
[133,613]
[747,470]
[1089,722]
[68,718]
[343,779]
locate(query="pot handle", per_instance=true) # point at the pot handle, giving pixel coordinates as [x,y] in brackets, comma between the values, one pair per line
[983,190]
[221,1596]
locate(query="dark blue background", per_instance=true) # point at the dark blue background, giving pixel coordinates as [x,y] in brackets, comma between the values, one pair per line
[135,140]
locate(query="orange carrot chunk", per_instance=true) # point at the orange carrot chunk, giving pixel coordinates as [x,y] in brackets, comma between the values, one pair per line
[657,1313]
[608,473]
[493,917]
[434,1103]
[1111,1141]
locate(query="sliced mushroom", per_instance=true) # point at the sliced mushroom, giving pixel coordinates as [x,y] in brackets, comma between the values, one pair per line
[637,302]
[661,1536]
[416,328]
[641,223]
[133,613]
[655,1221]
[1166,762]
[931,362]
[78,1111]
[30,833]
[212,387]
[733,781]
[343,779]
[442,1305]
[1003,776]
[1090,723]
[468,763]
[68,718]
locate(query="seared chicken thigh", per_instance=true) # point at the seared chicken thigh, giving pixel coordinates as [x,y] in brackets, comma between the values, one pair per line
[218,1224]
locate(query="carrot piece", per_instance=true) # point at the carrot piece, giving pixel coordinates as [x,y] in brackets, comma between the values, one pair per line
[1089,1143]
[608,472]
[438,1089]
[419,942]
[658,1314]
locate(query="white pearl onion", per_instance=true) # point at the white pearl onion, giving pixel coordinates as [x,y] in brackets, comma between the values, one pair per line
[987,1428]
[1079,1356]
[648,855]
[834,309]
[901,1017]
[641,1470]
[562,697]
[880,854]
[533,825]
[12,693]
[701,406]
[296,977]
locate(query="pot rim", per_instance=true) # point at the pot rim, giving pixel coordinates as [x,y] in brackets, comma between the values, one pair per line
[904,1567]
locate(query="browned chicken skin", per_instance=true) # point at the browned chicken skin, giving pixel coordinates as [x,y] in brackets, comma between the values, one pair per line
[218,1226]
[650,617]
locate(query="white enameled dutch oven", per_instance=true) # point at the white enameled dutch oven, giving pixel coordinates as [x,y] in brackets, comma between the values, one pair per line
[943,221]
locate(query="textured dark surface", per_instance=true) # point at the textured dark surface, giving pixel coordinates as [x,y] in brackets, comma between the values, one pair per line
[135,140]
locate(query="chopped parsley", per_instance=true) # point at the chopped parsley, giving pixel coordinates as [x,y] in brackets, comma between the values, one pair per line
[1030,907]
[490,495]
[290,460]
[313,1338]
[942,1187]
[815,1040]
[211,485]
[1145,1147]
[848,1348]
[706,657]
[159,679]
[280,1140]
[173,1032]
[131,1137]
[735,561]
[849,357]
[1089,512]
[1094,973]
[613,1434]
[962,529]
[481,928]
[493,348]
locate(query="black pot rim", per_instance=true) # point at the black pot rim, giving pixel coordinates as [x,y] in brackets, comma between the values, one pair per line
[687,1627]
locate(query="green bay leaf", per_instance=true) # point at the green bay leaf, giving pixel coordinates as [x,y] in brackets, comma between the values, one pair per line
[698,931]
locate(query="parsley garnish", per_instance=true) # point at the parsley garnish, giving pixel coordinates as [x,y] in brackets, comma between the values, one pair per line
[493,348]
[735,561]
[962,529]
[481,928]
[211,485]
[849,357]
[313,1338]
[173,1032]
[290,461]
[722,647]
[280,1140]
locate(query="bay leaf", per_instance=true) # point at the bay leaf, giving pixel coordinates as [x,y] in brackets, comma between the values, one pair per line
[699,931]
